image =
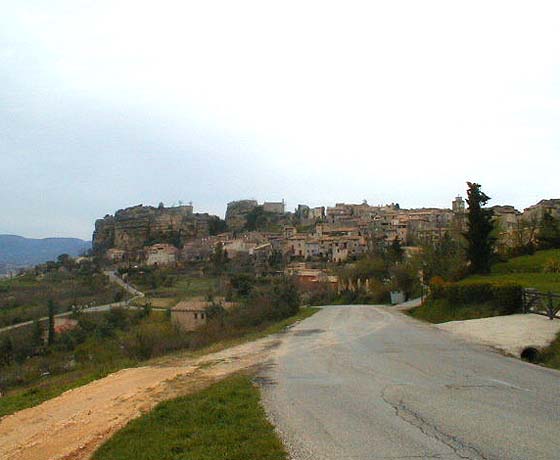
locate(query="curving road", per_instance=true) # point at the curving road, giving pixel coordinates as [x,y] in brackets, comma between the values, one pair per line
[361,382]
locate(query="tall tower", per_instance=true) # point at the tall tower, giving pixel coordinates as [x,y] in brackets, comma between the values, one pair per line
[459,221]
[458,205]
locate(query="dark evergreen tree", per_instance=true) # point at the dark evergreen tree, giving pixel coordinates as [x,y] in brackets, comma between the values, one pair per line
[480,242]
[37,334]
[396,252]
[51,312]
[6,351]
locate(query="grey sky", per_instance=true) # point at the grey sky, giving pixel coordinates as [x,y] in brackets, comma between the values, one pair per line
[107,104]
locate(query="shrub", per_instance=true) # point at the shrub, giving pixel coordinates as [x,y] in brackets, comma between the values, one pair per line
[321,293]
[154,338]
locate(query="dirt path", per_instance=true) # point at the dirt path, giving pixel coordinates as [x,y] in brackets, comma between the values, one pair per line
[73,425]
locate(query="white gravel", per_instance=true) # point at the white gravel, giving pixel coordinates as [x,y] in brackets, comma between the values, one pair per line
[510,334]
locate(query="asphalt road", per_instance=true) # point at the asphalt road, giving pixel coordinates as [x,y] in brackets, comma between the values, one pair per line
[370,383]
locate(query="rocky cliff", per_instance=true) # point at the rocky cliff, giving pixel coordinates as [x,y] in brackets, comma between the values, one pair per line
[237,212]
[133,228]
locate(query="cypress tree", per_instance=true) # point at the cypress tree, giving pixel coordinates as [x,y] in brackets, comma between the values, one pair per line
[52,309]
[480,243]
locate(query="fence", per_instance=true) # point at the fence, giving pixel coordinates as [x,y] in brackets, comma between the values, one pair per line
[541,303]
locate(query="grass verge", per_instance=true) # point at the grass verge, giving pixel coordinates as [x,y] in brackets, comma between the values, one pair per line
[53,386]
[441,311]
[224,421]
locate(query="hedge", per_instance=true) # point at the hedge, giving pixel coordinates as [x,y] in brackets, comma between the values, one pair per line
[506,297]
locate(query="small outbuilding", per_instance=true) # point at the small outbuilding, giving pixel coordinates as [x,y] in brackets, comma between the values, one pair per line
[189,315]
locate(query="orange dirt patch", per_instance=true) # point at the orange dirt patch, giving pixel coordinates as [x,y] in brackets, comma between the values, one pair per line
[73,425]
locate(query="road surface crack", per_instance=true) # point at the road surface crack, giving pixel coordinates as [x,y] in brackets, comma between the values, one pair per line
[411,417]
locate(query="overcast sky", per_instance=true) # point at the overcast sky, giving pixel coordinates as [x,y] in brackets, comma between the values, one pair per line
[107,104]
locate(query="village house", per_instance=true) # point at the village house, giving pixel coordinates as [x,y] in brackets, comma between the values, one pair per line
[198,250]
[310,277]
[161,254]
[295,245]
[289,231]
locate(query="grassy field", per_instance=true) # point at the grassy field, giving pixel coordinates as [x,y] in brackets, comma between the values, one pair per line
[527,264]
[31,395]
[181,287]
[528,271]
[223,422]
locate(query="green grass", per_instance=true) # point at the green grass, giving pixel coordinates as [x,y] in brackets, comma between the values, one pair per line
[50,387]
[222,422]
[528,271]
[184,287]
[527,264]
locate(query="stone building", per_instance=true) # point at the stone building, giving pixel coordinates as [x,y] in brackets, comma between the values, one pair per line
[161,254]
[189,315]
[538,210]
[458,205]
[274,207]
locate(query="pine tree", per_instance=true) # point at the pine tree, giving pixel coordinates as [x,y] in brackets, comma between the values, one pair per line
[480,243]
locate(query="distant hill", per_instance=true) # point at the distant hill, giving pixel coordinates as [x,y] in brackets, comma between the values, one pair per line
[17,251]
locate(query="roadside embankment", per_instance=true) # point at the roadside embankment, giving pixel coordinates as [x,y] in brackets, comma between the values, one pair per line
[511,334]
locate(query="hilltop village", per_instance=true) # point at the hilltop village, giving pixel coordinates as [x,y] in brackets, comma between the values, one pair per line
[171,236]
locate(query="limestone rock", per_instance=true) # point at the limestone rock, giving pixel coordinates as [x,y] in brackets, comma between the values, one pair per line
[133,228]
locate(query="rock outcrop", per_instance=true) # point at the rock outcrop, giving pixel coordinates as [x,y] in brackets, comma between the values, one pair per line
[133,228]
[237,212]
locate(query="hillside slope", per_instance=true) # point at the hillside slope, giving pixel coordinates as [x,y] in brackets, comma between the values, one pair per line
[17,251]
